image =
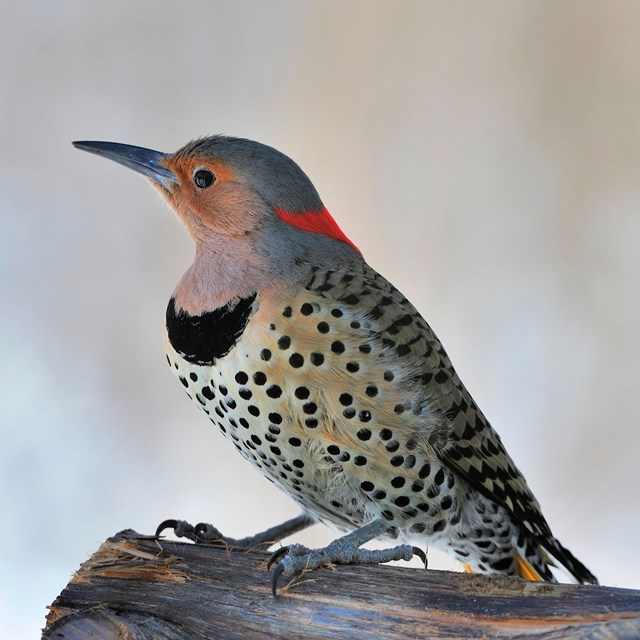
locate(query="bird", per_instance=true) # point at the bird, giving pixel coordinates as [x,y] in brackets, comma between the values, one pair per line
[326,378]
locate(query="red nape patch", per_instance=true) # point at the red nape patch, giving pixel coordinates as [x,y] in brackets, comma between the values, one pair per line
[316,222]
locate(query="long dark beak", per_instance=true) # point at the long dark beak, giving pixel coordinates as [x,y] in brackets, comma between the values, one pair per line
[144,161]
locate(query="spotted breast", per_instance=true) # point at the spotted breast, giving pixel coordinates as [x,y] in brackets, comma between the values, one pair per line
[341,401]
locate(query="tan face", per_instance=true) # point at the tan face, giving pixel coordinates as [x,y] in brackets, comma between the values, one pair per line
[210,196]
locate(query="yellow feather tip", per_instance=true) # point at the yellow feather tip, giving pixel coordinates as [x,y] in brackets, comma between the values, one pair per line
[526,570]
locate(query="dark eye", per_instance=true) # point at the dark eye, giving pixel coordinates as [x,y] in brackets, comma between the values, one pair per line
[203,177]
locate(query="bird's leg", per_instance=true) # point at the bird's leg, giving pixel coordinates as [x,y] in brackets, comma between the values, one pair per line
[297,558]
[207,533]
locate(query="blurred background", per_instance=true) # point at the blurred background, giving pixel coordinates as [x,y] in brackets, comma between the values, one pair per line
[485,156]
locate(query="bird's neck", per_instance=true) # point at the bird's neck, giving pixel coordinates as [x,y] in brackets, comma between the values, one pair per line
[228,268]
[217,276]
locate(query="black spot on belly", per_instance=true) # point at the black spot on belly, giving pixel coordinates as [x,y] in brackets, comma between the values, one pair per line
[201,339]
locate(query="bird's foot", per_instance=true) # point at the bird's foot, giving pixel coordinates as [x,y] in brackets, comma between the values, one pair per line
[296,558]
[204,533]
[200,533]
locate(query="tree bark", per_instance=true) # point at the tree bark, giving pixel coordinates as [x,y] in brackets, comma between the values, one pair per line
[137,587]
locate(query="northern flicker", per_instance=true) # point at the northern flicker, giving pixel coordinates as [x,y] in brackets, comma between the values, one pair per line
[326,378]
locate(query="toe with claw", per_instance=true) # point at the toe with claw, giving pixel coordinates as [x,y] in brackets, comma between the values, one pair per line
[183,529]
[295,559]
[208,534]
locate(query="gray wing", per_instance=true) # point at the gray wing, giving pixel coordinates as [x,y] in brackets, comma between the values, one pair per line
[463,440]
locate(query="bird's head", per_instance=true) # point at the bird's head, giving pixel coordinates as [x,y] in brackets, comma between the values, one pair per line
[248,207]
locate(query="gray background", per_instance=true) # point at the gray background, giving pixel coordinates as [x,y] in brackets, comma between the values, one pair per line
[485,157]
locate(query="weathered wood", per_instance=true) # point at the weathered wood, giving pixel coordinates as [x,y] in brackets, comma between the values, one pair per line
[136,587]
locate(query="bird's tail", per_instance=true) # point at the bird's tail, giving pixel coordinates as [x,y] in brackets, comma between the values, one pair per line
[569,562]
[550,553]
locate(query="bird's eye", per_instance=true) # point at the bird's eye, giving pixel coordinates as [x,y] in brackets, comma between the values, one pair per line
[203,178]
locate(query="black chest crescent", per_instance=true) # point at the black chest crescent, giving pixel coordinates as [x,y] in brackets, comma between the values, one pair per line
[201,339]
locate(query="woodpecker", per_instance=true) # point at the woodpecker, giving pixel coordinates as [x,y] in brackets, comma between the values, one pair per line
[326,378]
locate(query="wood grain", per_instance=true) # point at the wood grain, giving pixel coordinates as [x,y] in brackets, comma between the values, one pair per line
[137,587]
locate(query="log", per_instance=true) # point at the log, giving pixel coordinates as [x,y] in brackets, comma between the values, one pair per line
[138,587]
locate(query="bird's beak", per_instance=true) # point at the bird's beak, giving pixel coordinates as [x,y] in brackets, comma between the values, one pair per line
[144,161]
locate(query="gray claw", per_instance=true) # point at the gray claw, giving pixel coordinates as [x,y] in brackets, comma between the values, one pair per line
[276,555]
[275,576]
[166,524]
[417,551]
